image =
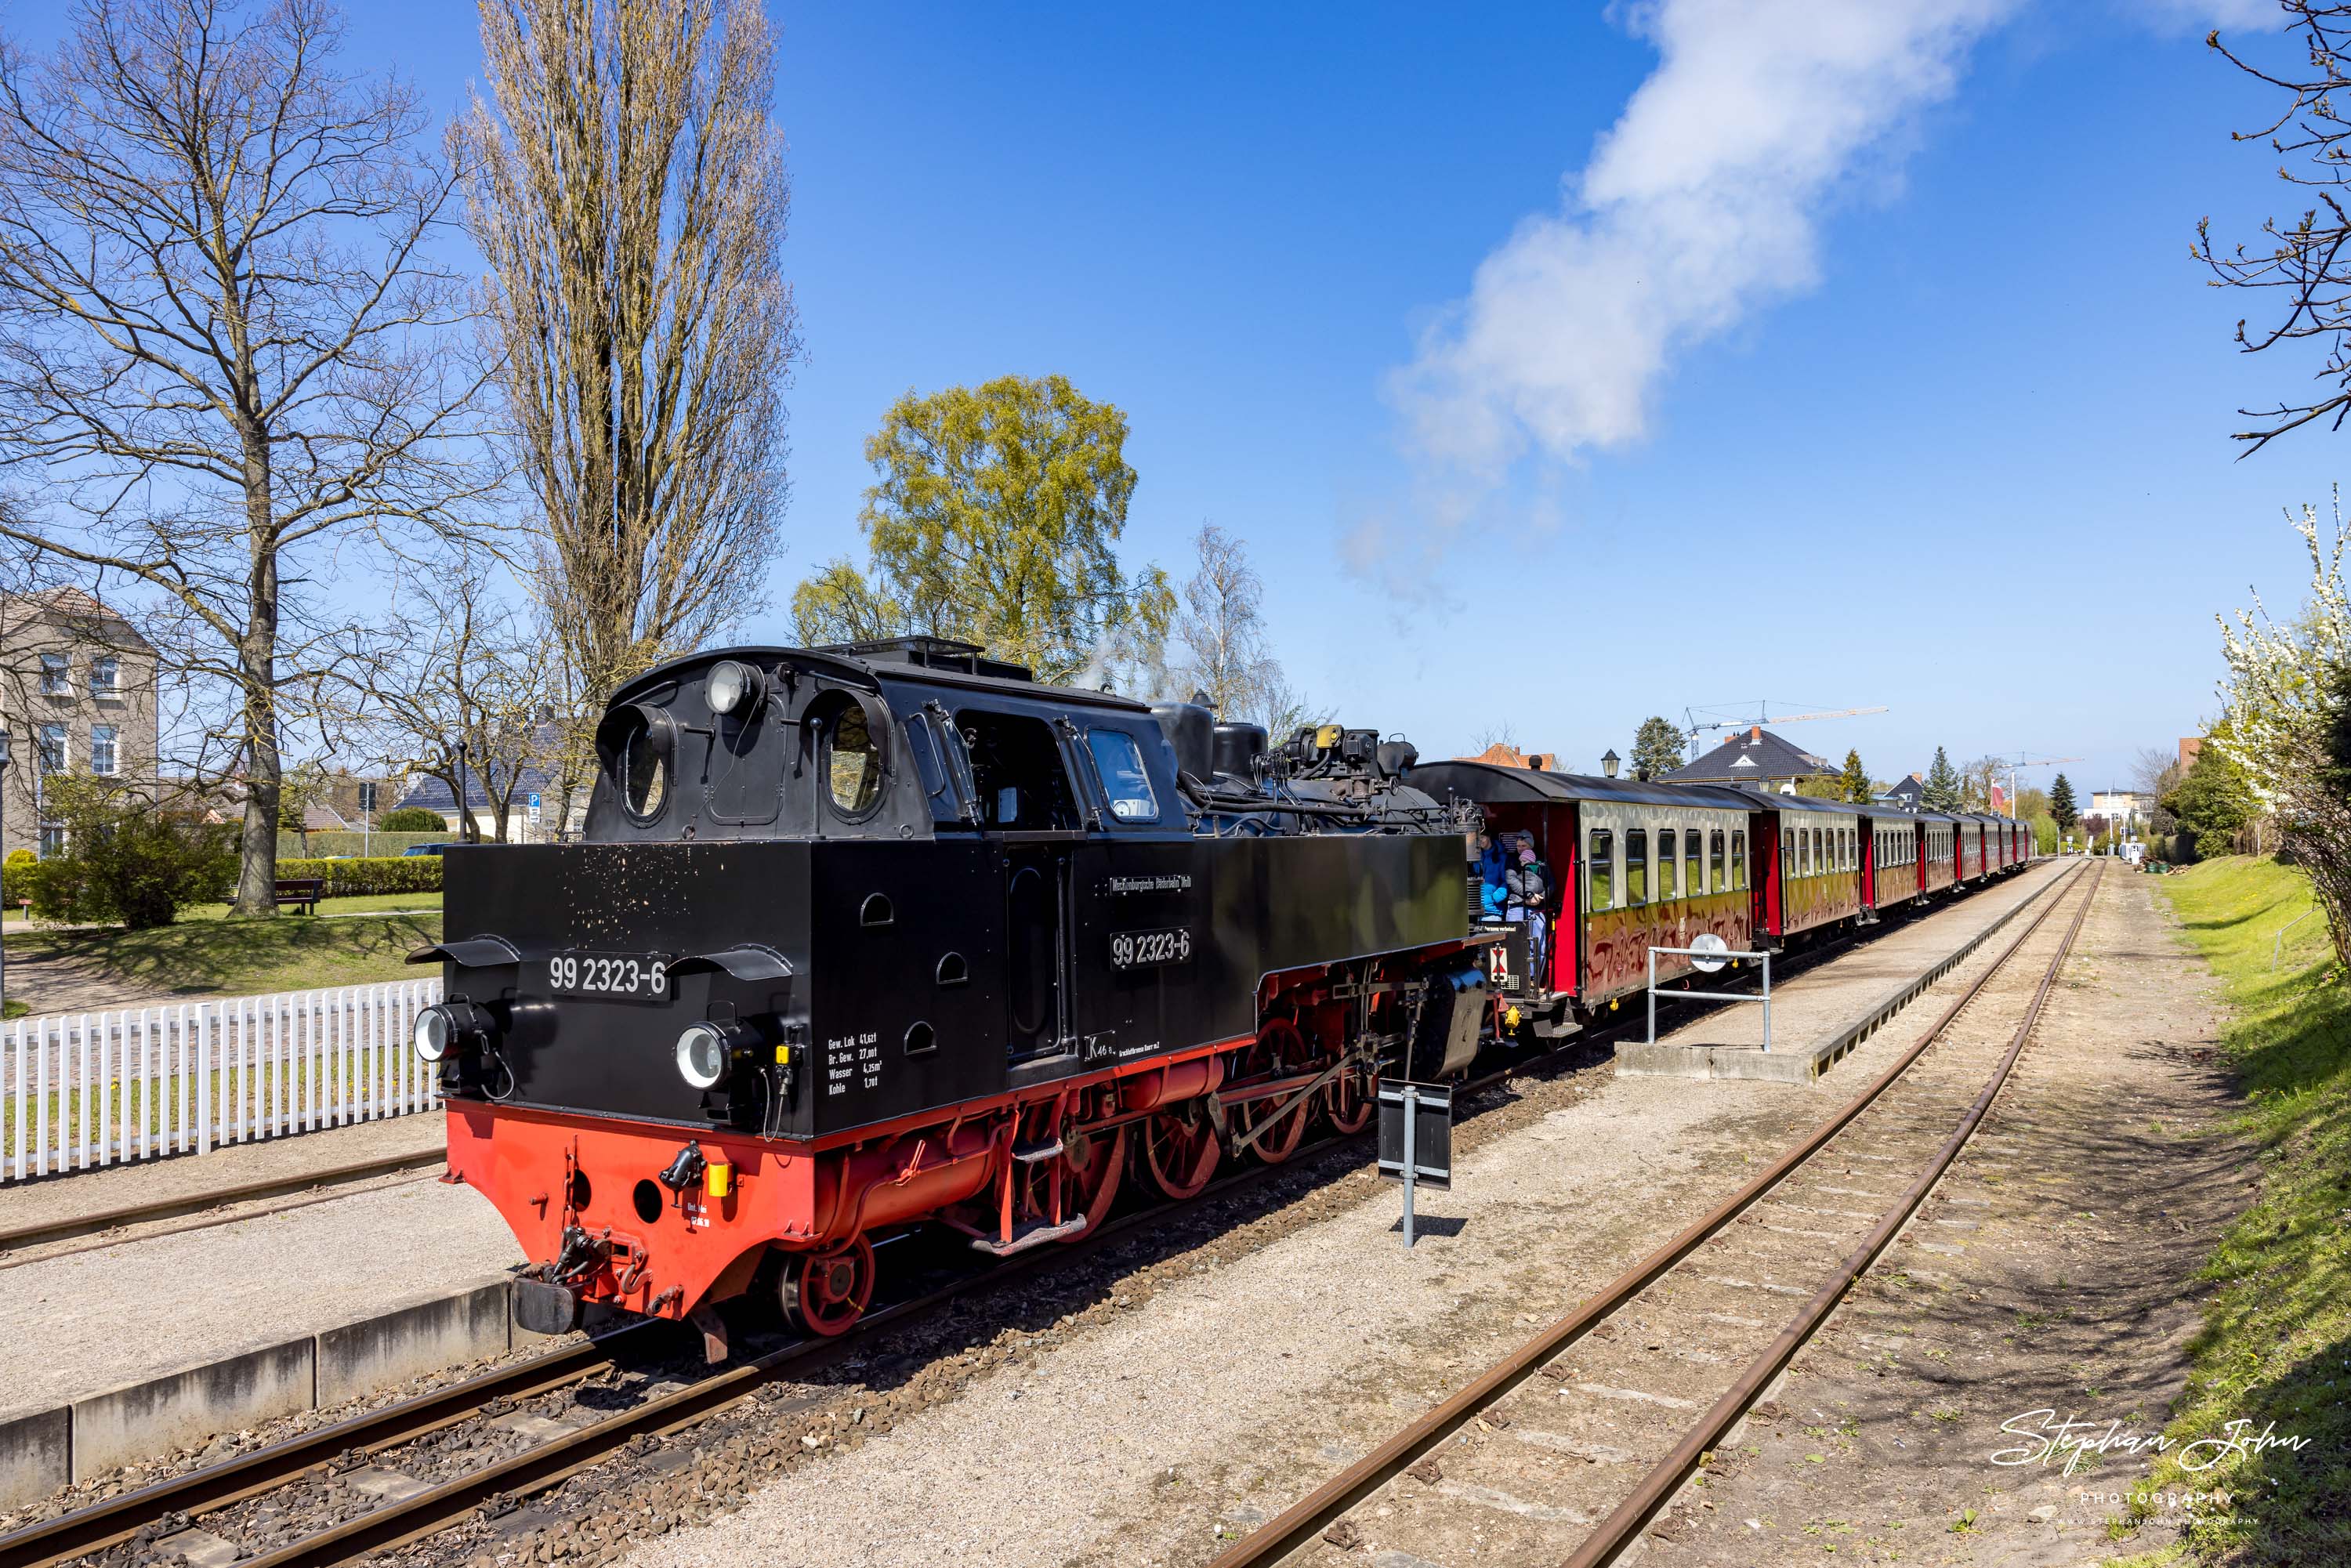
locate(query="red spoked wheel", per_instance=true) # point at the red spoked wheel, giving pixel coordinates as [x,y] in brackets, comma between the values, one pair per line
[1180,1150]
[1350,1100]
[826,1292]
[1280,1051]
[1091,1164]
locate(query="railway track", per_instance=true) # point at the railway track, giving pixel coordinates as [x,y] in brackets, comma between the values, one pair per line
[416,1468]
[1586,1373]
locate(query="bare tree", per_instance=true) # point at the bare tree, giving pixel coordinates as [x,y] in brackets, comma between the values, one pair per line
[451,685]
[1224,649]
[223,341]
[629,196]
[2306,260]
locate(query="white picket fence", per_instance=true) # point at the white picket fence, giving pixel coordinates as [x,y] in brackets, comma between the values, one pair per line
[79,1091]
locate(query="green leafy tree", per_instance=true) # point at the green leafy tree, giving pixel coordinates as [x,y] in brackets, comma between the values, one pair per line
[1657,748]
[1944,791]
[2213,803]
[1855,780]
[2063,809]
[994,517]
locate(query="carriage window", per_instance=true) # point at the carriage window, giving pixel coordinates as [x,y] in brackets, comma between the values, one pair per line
[853,762]
[1016,766]
[1600,872]
[1714,847]
[1666,857]
[1636,867]
[1788,855]
[1739,859]
[1120,762]
[1693,864]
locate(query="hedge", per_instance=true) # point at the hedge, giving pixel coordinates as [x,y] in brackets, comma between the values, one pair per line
[381,874]
[325,841]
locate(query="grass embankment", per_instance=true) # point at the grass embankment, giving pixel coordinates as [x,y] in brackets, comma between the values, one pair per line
[2275,1346]
[207,954]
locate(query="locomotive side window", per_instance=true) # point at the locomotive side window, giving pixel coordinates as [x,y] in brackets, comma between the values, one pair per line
[1667,853]
[1600,872]
[1119,761]
[1694,867]
[1636,867]
[852,764]
[1017,765]
[1714,849]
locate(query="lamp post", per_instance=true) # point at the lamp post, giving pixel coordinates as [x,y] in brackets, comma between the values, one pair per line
[1609,761]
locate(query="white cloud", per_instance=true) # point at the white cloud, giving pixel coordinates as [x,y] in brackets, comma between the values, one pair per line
[1699,206]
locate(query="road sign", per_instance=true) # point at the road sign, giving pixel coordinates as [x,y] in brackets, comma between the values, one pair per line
[533,800]
[1415,1138]
[367,796]
[1709,952]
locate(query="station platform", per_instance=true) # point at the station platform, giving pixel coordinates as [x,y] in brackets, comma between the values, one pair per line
[1820,1017]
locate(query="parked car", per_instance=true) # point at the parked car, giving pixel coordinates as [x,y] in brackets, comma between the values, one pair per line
[424,849]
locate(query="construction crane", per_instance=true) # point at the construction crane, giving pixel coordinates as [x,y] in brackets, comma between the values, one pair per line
[1761,717]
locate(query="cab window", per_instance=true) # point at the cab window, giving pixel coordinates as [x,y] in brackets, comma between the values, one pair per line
[1015,768]
[853,762]
[1118,760]
[1600,872]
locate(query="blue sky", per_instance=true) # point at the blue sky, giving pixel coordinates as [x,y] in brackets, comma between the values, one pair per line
[1968,458]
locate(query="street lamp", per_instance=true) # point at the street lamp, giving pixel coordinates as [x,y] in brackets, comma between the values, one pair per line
[1609,761]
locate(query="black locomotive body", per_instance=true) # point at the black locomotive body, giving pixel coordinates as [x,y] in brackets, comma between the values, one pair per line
[870,935]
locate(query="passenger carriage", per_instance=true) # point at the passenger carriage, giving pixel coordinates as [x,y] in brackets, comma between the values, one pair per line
[1811,851]
[1634,866]
[1890,859]
[1939,848]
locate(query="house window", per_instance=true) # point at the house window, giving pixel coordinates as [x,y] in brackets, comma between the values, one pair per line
[53,840]
[55,682]
[102,749]
[1600,872]
[105,676]
[53,753]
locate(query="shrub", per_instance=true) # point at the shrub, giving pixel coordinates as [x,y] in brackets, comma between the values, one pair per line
[412,820]
[17,876]
[126,860]
[381,874]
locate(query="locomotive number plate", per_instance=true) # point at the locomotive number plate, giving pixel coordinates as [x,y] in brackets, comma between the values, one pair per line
[1142,949]
[613,976]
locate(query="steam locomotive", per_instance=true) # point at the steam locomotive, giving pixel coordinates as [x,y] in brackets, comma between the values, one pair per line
[882,933]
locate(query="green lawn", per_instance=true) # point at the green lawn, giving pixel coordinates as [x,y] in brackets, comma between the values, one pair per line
[206,955]
[2276,1341]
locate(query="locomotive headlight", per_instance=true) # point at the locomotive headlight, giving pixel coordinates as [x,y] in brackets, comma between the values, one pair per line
[448,1024]
[733,686]
[707,1050]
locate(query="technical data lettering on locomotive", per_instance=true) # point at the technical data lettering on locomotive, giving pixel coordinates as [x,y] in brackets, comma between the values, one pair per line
[852,1058]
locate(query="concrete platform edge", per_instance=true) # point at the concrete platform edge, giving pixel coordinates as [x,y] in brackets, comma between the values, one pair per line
[1640,1059]
[42,1451]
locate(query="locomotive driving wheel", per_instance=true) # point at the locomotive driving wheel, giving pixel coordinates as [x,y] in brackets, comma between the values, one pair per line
[1350,1101]
[1180,1150]
[1280,1051]
[826,1292]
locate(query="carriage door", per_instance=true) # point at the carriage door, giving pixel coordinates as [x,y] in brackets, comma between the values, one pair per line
[1026,801]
